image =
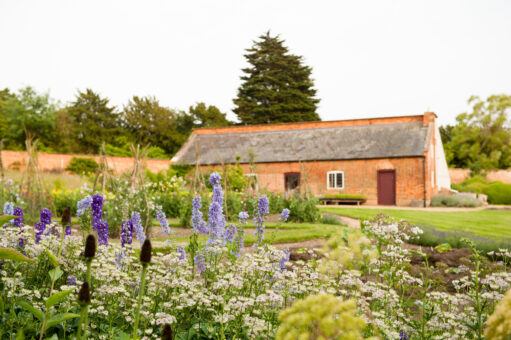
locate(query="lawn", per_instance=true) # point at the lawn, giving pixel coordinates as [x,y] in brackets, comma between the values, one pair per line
[487,223]
[284,233]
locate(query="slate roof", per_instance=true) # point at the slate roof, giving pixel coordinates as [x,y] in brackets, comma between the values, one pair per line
[330,143]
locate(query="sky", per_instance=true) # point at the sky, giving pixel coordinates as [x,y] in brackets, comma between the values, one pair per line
[368,58]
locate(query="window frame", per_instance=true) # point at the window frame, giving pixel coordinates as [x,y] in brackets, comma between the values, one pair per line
[336,172]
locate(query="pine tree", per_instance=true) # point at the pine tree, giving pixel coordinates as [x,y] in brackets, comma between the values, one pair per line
[277,87]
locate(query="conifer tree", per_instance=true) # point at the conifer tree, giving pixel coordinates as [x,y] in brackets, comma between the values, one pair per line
[277,87]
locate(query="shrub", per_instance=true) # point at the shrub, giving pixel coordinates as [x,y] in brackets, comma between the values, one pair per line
[82,166]
[65,198]
[442,200]
[499,193]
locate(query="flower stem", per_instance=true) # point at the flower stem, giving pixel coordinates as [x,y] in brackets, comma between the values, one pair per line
[140,296]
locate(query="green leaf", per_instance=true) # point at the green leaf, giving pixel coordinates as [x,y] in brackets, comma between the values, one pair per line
[58,273]
[6,218]
[14,255]
[443,248]
[53,337]
[36,312]
[20,335]
[57,297]
[53,259]
[58,318]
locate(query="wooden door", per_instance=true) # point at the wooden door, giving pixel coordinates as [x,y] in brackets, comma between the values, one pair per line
[387,187]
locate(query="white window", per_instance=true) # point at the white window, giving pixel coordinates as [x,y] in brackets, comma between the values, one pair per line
[335,180]
[252,181]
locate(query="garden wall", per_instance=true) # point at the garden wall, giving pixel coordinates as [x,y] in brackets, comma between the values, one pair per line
[58,162]
[459,175]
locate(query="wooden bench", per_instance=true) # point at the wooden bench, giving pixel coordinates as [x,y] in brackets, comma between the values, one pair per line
[339,201]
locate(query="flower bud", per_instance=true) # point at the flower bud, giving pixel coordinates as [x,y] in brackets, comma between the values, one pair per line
[84,294]
[167,332]
[146,252]
[90,247]
[66,217]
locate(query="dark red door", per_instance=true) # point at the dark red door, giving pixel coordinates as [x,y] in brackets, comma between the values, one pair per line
[387,187]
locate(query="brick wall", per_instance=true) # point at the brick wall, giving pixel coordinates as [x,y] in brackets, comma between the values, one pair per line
[360,177]
[58,162]
[459,175]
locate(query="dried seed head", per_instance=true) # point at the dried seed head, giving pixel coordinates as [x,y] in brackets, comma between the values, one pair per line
[66,217]
[90,247]
[84,294]
[166,334]
[146,252]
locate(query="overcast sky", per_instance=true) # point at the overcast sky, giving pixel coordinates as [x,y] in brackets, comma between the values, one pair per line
[369,58]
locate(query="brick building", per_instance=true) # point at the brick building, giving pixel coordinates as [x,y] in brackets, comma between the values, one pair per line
[392,161]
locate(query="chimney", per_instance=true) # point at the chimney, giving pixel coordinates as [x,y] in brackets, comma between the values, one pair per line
[429,117]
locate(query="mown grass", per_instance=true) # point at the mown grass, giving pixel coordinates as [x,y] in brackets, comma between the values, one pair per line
[275,233]
[487,223]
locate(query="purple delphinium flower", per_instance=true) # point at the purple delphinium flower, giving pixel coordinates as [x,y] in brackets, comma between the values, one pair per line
[238,243]
[282,263]
[182,253]
[101,227]
[214,178]
[198,224]
[137,227]
[40,227]
[260,213]
[229,233]
[126,233]
[243,217]
[21,243]
[200,262]
[83,205]
[97,206]
[284,215]
[45,216]
[8,208]
[403,335]
[71,280]
[216,210]
[18,222]
[98,224]
[119,258]
[68,230]
[162,219]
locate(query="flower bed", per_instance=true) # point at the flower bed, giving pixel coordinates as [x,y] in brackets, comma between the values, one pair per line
[361,284]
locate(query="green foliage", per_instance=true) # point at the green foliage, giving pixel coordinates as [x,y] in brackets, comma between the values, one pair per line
[442,200]
[156,152]
[277,87]
[94,121]
[499,193]
[82,166]
[237,180]
[481,139]
[329,219]
[13,255]
[208,116]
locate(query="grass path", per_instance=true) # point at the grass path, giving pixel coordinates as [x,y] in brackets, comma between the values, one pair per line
[488,223]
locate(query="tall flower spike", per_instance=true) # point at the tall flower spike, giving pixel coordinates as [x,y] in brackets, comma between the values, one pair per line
[90,247]
[146,252]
